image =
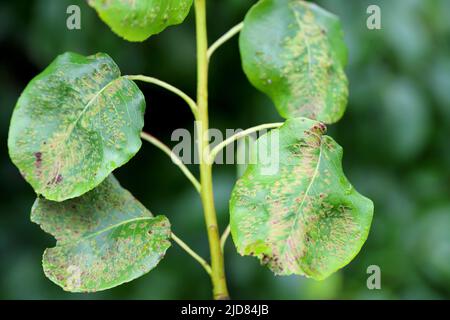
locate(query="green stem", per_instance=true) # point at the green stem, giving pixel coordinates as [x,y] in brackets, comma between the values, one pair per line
[218,279]
[192,253]
[177,161]
[169,87]
[214,152]
[227,36]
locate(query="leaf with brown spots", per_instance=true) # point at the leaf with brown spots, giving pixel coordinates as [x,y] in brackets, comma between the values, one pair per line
[74,124]
[136,20]
[303,217]
[104,238]
[294,52]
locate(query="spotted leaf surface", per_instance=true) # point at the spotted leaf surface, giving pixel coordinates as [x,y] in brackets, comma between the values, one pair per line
[295,53]
[305,217]
[74,124]
[136,20]
[104,238]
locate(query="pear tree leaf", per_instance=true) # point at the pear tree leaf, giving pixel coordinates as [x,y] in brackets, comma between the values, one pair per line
[137,20]
[104,238]
[294,52]
[304,217]
[245,154]
[74,124]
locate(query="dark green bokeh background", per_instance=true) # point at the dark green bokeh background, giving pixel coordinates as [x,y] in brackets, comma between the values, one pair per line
[395,135]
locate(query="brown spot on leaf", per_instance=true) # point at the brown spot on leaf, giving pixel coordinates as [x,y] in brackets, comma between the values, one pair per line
[38,161]
[56,179]
[265,259]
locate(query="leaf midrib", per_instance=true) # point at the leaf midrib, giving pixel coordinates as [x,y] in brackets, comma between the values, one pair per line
[93,235]
[298,211]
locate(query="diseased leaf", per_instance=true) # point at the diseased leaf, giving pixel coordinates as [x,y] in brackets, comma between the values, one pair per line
[304,218]
[136,20]
[104,238]
[295,53]
[74,124]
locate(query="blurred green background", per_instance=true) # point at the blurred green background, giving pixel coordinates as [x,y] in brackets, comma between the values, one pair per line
[395,135]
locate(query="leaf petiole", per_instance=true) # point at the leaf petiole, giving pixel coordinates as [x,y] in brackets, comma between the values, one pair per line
[169,87]
[227,36]
[224,237]
[215,151]
[177,161]
[192,253]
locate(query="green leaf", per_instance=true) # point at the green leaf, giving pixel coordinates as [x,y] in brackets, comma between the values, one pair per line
[294,52]
[74,124]
[136,20]
[305,217]
[104,238]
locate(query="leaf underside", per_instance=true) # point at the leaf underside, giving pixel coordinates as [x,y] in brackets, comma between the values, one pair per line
[137,20]
[104,238]
[74,124]
[294,52]
[304,218]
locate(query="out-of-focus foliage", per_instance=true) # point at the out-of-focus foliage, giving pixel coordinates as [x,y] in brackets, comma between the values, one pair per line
[395,135]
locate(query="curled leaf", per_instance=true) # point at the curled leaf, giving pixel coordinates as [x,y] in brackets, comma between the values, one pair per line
[104,238]
[304,218]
